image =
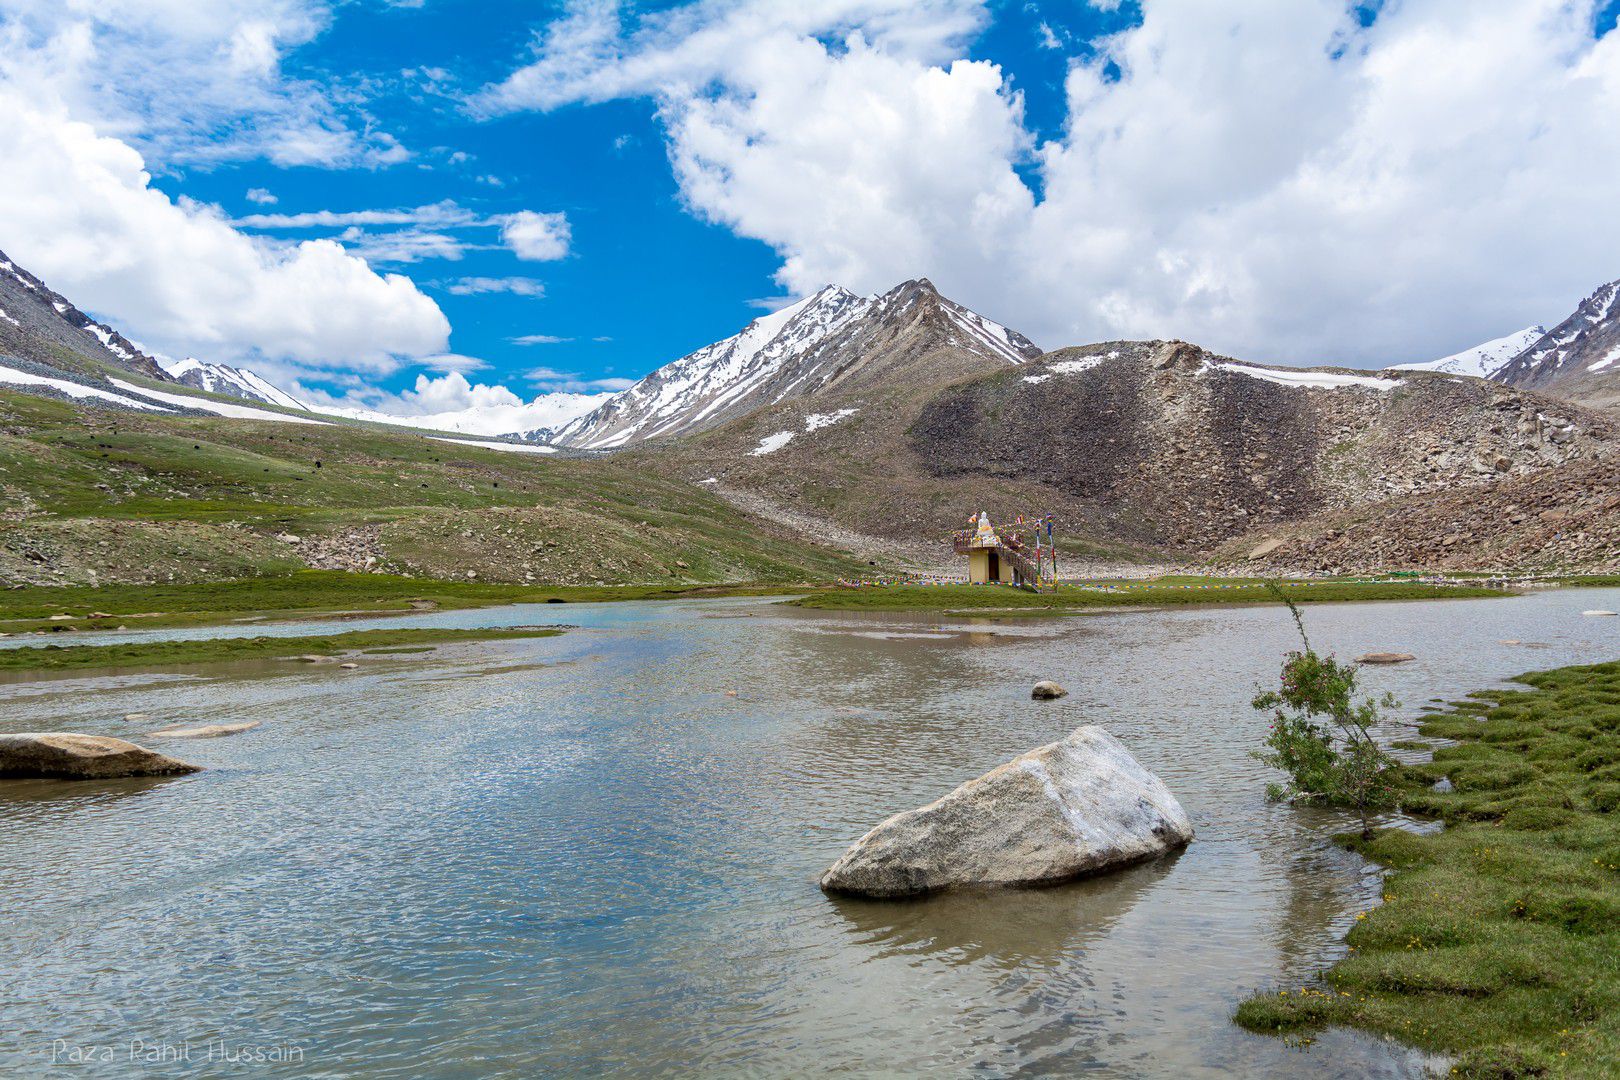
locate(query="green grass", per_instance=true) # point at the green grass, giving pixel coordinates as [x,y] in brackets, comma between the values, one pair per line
[153,498]
[1169,590]
[219,650]
[301,595]
[1499,937]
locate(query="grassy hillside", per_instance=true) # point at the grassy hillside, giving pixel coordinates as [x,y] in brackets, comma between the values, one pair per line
[97,496]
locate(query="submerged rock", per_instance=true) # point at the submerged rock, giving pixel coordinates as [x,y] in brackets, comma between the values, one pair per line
[1048,691]
[1077,807]
[1385,658]
[56,755]
[205,731]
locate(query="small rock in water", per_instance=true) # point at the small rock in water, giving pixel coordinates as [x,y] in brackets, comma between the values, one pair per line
[66,756]
[205,731]
[136,717]
[350,664]
[312,658]
[1385,658]
[1510,641]
[1048,691]
[1600,612]
[1076,807]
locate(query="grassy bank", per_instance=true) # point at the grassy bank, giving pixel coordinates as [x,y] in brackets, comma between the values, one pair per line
[219,650]
[300,595]
[1174,590]
[1499,938]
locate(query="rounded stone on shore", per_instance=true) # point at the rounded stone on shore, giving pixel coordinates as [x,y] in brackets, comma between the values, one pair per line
[1047,691]
[67,756]
[1077,807]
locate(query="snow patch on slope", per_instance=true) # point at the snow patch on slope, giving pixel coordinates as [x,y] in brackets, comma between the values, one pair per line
[508,447]
[1002,341]
[103,335]
[25,378]
[770,444]
[218,408]
[1314,380]
[1607,362]
[817,421]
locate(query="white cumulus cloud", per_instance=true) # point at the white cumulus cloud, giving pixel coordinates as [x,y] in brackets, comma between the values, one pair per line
[452,403]
[1274,180]
[536,237]
[78,209]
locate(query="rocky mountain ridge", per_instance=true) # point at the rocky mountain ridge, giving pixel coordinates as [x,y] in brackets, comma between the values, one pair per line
[40,325]
[830,340]
[1579,358]
[1156,444]
[232,382]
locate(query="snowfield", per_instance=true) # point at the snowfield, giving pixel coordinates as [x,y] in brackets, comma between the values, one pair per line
[817,421]
[510,448]
[72,389]
[770,444]
[218,408]
[1312,380]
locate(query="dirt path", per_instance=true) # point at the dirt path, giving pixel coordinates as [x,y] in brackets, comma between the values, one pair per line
[934,562]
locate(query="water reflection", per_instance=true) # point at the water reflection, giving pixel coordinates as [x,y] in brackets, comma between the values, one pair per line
[598,852]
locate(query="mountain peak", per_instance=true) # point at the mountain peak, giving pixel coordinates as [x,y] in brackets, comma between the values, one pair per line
[829,337]
[1579,358]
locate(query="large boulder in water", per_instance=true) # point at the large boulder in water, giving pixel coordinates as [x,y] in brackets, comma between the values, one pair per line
[62,756]
[1077,807]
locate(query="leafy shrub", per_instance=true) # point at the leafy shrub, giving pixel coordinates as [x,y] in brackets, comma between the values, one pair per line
[1321,736]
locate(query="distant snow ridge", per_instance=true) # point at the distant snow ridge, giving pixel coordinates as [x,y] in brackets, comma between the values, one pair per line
[231,381]
[786,354]
[1482,361]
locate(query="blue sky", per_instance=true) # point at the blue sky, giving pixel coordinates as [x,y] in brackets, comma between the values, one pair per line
[645,280]
[518,197]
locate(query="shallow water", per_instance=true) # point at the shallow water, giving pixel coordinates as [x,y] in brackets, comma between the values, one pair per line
[580,855]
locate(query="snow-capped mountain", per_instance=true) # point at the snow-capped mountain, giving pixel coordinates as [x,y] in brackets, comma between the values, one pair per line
[833,337]
[1482,361]
[544,411]
[40,325]
[233,382]
[1580,357]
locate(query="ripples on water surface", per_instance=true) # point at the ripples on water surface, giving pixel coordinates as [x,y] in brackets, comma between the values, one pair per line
[580,855]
